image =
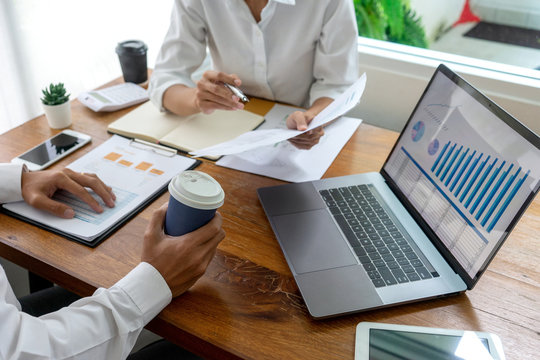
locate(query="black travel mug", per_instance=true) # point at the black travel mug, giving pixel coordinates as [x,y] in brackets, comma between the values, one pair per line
[132,56]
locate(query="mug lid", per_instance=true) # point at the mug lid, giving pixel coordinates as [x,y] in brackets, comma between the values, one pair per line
[131,47]
[197,189]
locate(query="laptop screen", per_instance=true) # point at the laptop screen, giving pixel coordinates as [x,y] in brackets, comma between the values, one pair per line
[465,169]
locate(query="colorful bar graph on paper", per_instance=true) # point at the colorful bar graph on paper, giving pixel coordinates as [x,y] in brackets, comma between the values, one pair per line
[156,172]
[143,166]
[125,163]
[113,156]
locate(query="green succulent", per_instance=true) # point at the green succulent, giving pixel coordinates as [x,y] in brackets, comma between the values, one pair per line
[390,20]
[54,94]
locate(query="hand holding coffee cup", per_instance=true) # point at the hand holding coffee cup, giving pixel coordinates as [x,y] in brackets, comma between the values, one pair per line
[194,198]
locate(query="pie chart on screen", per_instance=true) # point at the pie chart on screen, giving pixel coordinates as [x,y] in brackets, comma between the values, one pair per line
[418,131]
[433,147]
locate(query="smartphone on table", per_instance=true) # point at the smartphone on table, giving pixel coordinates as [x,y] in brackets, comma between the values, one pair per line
[52,150]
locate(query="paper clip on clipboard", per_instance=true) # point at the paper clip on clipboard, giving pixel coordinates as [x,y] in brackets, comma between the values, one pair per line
[155,148]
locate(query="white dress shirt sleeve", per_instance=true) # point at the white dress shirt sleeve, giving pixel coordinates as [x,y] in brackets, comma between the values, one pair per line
[336,57]
[182,52]
[10,183]
[102,326]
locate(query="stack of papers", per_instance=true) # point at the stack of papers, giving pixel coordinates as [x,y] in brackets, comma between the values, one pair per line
[254,139]
[265,151]
[283,160]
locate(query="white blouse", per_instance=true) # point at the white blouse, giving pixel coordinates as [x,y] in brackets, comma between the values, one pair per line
[300,50]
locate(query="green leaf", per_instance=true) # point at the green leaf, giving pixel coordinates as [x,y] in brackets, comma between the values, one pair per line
[391,20]
[394,11]
[371,19]
[54,94]
[414,34]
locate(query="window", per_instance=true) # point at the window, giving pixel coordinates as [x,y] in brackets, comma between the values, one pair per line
[502,31]
[398,74]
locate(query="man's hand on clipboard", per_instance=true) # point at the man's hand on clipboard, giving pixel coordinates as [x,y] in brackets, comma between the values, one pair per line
[136,175]
[38,187]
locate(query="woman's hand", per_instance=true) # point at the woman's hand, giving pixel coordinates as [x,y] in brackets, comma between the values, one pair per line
[211,94]
[299,120]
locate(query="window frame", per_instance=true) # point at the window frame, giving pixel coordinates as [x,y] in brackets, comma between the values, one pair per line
[403,68]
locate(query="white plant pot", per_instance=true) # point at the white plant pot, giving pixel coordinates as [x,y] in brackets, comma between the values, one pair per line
[58,116]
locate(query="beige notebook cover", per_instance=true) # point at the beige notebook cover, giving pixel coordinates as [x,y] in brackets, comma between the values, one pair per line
[184,133]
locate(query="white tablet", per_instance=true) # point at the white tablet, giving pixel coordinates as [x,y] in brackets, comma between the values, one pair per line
[377,341]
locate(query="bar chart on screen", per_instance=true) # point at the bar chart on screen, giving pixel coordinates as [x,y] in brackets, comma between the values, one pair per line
[484,184]
[467,194]
[467,169]
[463,238]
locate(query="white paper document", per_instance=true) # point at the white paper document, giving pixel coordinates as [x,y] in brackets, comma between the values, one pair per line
[257,138]
[283,160]
[134,172]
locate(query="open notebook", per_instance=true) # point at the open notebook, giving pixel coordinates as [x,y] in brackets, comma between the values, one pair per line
[184,133]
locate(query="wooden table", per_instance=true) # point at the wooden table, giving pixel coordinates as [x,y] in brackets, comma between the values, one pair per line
[247,305]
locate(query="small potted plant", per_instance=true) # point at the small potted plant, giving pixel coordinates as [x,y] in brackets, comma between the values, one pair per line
[56,105]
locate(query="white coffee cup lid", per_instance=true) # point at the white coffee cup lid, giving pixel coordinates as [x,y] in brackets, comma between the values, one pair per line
[197,189]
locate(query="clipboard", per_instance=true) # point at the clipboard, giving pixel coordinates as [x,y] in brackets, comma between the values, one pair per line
[96,241]
[146,170]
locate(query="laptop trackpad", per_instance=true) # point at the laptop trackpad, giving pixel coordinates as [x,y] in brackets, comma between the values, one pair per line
[311,241]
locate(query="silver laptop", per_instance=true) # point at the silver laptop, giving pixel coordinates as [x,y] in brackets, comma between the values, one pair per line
[459,177]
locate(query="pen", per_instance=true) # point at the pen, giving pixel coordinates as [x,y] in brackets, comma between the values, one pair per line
[153,147]
[236,91]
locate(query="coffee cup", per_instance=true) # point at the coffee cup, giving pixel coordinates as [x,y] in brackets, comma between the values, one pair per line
[132,56]
[194,198]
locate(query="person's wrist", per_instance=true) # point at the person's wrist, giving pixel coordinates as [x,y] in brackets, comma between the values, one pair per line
[308,115]
[195,103]
[24,170]
[24,173]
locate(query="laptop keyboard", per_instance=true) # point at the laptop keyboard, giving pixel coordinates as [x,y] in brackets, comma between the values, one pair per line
[382,248]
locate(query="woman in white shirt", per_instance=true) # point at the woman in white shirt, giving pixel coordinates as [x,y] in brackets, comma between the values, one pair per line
[299,52]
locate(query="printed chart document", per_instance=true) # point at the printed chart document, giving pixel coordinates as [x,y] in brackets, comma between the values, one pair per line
[255,139]
[136,173]
[185,133]
[283,160]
